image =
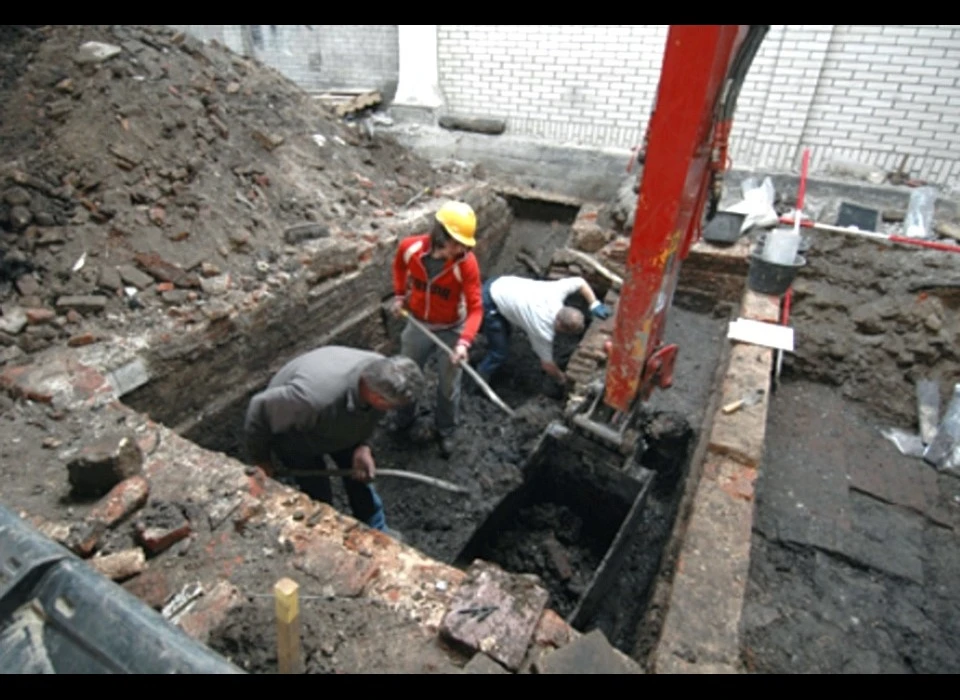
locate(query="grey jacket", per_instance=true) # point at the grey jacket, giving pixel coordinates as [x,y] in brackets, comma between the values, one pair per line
[315,398]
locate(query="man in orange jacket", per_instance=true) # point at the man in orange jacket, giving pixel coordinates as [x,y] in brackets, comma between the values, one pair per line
[436,278]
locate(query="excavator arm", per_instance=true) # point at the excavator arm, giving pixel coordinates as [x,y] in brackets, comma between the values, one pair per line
[685,156]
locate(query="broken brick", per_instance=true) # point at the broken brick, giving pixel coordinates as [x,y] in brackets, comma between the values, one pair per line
[552,630]
[103,464]
[157,539]
[249,508]
[84,539]
[38,316]
[152,587]
[28,286]
[121,565]
[126,497]
[81,340]
[211,610]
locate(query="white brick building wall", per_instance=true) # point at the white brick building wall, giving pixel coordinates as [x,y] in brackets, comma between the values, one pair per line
[868,94]
[864,93]
[319,57]
[586,84]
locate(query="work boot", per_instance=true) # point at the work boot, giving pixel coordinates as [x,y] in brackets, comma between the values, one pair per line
[446,446]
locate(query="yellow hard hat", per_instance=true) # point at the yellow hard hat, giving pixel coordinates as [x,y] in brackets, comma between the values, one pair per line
[460,222]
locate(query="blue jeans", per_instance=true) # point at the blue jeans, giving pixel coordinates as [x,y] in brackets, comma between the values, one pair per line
[496,329]
[364,500]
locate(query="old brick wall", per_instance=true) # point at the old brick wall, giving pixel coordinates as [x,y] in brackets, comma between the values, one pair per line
[318,57]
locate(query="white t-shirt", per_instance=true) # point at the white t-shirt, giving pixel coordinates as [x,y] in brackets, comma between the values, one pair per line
[533,306]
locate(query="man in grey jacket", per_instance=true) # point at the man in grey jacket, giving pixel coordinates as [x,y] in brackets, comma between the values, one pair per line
[328,402]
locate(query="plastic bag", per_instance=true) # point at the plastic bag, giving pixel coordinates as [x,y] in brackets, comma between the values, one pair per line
[918,222]
[757,204]
[909,444]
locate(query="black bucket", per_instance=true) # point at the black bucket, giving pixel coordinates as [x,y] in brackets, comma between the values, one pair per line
[771,278]
[723,228]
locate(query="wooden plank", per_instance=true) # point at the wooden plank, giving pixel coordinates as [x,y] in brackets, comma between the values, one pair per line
[495,612]
[286,595]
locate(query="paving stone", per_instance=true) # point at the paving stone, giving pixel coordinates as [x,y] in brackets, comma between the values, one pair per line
[591,654]
[495,612]
[483,664]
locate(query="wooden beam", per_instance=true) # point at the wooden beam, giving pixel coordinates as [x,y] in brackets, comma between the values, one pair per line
[285,593]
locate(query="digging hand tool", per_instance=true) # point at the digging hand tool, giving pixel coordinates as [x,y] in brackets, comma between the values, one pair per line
[466,368]
[750,399]
[414,476]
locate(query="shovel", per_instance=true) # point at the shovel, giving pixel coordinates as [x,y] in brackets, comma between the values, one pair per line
[466,367]
[422,478]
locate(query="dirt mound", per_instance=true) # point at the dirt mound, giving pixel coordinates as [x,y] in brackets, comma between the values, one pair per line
[141,169]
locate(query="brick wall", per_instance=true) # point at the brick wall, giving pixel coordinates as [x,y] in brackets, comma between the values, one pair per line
[588,84]
[864,93]
[868,94]
[319,57]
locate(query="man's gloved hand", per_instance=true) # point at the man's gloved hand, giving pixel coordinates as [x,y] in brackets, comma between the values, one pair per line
[460,353]
[364,468]
[600,310]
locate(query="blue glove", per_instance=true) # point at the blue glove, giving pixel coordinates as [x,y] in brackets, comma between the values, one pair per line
[600,310]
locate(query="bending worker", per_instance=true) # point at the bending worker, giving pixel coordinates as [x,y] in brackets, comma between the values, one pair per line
[436,278]
[328,402]
[536,306]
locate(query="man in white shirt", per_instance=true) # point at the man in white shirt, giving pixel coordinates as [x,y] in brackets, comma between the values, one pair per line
[536,306]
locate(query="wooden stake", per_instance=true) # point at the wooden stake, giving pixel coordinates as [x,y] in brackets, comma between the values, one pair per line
[288,626]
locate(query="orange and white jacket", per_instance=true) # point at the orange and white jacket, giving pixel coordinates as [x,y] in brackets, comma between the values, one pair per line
[450,298]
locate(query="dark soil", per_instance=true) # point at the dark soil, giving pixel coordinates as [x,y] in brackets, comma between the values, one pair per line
[849,575]
[813,609]
[339,635]
[171,152]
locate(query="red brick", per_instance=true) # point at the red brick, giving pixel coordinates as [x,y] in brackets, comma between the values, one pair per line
[152,587]
[552,630]
[37,316]
[157,539]
[211,610]
[85,538]
[122,500]
[80,340]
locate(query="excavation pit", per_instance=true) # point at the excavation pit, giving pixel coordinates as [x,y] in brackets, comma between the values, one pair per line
[568,523]
[493,452]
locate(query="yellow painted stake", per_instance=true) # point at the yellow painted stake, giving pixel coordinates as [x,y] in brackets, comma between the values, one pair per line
[285,594]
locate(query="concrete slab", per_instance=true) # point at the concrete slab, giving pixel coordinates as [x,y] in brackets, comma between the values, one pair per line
[591,654]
